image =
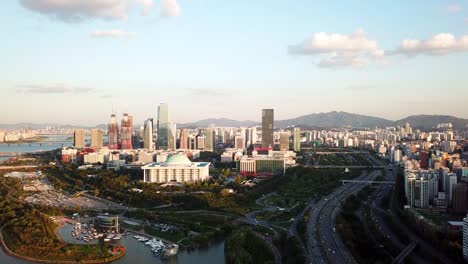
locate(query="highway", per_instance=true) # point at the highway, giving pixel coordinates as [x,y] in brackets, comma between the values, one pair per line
[323,243]
[345,167]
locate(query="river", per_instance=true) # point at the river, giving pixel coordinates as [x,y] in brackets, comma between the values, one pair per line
[57,141]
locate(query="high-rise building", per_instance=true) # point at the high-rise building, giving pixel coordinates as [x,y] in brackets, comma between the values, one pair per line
[171,136]
[79,138]
[418,192]
[408,128]
[209,139]
[184,139]
[148,134]
[460,197]
[97,138]
[297,139]
[424,160]
[239,142]
[163,126]
[397,156]
[113,133]
[127,131]
[221,136]
[465,238]
[200,142]
[284,141]
[450,182]
[252,136]
[267,128]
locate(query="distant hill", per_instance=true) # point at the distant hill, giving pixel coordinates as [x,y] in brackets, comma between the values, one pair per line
[431,121]
[222,122]
[335,119]
[317,121]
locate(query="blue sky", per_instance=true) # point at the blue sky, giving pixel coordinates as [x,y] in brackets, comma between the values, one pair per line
[208,58]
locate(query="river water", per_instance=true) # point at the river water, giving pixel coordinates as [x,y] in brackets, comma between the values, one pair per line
[54,142]
[138,253]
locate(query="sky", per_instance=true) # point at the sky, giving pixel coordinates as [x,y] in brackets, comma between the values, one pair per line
[77,61]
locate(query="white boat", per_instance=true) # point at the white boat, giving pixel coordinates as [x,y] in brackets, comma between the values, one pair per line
[106,240]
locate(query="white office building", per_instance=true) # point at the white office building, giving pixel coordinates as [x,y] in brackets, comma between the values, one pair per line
[177,168]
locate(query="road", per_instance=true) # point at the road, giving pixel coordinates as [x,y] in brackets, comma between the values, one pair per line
[344,167]
[323,243]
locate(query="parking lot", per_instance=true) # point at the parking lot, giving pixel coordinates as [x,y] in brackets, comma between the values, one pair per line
[56,199]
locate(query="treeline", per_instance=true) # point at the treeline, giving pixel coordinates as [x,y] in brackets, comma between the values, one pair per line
[30,233]
[243,246]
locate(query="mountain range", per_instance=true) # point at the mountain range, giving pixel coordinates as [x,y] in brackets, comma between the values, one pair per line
[321,120]
[342,119]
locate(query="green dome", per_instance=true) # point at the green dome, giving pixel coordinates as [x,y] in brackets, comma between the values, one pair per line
[178,159]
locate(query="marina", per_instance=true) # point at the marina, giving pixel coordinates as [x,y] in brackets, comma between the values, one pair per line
[139,249]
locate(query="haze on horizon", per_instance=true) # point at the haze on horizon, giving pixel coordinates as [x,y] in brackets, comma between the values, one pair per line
[76,62]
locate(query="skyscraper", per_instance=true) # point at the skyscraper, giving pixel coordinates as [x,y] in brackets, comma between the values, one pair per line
[408,128]
[252,136]
[148,134]
[297,139]
[239,142]
[460,195]
[113,133]
[171,136]
[267,128]
[221,137]
[127,131]
[284,141]
[79,138]
[450,182]
[200,142]
[465,238]
[209,139]
[163,126]
[184,139]
[97,138]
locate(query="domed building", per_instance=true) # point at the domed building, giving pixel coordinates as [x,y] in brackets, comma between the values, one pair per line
[177,168]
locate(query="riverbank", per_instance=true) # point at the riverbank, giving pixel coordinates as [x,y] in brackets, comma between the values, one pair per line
[9,252]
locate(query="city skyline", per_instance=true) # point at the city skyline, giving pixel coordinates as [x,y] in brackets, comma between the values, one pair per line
[130,55]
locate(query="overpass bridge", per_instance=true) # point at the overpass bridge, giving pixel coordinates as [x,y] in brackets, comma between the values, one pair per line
[345,167]
[368,182]
[399,259]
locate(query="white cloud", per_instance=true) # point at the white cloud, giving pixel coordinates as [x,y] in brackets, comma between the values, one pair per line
[466,21]
[454,8]
[51,89]
[440,44]
[340,50]
[78,10]
[170,8]
[113,33]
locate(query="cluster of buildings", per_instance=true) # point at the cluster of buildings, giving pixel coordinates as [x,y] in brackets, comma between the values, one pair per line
[14,135]
[435,163]
[158,149]
[17,135]
[439,189]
